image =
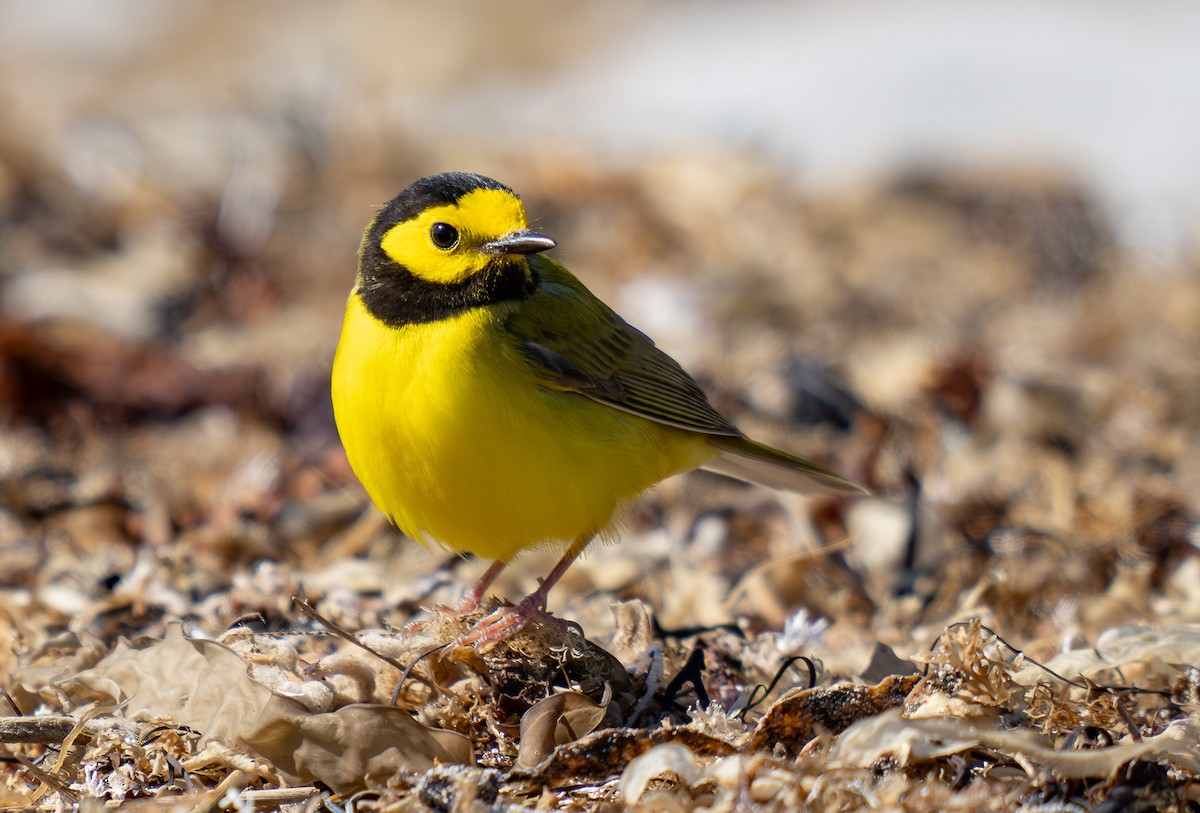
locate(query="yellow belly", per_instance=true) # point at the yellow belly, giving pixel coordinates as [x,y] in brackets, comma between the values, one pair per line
[456,441]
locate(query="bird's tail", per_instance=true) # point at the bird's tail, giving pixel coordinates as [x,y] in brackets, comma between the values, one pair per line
[757,462]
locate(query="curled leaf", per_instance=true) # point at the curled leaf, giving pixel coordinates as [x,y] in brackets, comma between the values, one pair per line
[555,721]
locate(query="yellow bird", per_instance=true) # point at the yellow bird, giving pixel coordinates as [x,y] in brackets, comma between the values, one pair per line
[490,403]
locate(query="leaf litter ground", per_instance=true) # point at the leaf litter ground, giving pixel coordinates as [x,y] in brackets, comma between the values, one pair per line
[198,606]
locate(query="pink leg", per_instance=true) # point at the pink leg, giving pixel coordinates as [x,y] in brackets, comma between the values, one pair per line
[505,622]
[473,597]
[469,602]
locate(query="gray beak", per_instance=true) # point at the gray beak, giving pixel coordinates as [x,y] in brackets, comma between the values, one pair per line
[522,241]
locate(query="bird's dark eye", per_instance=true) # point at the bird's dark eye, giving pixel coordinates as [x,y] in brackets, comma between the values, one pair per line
[443,235]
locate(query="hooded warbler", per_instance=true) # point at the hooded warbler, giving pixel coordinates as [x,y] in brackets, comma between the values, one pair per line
[490,403]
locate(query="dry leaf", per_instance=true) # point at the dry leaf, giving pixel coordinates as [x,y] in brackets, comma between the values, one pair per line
[1127,654]
[604,753]
[891,736]
[800,715]
[557,720]
[205,685]
[669,757]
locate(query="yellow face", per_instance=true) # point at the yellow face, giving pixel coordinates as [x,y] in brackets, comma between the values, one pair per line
[443,243]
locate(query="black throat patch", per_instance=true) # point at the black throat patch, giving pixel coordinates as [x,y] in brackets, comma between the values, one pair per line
[397,297]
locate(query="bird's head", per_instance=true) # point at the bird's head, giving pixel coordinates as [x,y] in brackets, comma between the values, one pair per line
[447,242]
[450,227]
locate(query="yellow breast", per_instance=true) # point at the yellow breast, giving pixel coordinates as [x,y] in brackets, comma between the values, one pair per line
[455,439]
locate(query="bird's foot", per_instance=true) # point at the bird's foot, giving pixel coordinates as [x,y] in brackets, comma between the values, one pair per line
[504,623]
[439,612]
[471,601]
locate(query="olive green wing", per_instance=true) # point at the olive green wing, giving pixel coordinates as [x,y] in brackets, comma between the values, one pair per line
[581,345]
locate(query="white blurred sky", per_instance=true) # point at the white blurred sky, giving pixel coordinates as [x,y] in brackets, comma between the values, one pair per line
[1109,90]
[835,90]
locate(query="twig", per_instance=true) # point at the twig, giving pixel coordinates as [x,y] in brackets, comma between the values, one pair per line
[49,781]
[39,730]
[405,671]
[346,635]
[214,796]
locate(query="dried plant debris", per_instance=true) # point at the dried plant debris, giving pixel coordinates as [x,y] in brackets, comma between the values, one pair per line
[197,605]
[173,716]
[798,718]
[205,688]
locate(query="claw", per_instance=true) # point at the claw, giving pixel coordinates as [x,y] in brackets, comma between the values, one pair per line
[503,623]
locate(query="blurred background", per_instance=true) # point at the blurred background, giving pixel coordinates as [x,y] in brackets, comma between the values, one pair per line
[833,91]
[949,249]
[946,248]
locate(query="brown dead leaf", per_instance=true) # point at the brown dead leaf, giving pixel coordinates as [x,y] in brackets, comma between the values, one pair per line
[206,686]
[605,753]
[799,716]
[354,747]
[64,654]
[555,721]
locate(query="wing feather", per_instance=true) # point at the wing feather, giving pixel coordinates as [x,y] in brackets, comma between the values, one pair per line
[579,344]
